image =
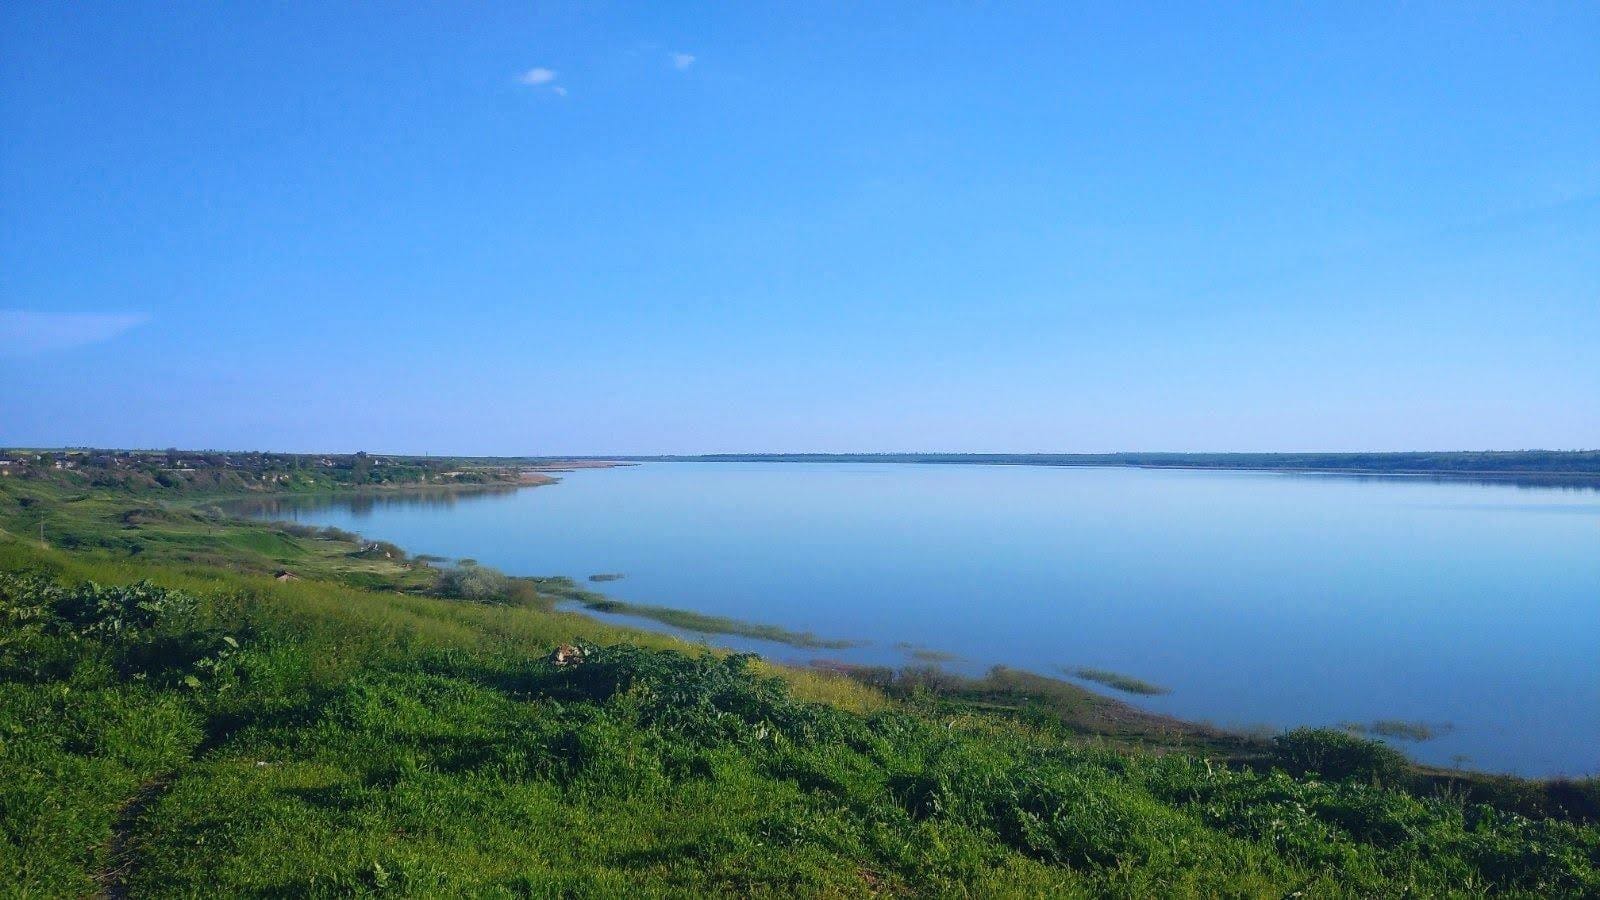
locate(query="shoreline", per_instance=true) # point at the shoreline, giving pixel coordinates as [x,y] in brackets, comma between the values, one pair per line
[1589,480]
[542,475]
[1555,466]
[1103,714]
[1100,714]
[1108,715]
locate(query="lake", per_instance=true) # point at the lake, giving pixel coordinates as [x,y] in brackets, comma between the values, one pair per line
[1262,600]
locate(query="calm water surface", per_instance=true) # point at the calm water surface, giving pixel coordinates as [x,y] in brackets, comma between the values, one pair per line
[1260,599]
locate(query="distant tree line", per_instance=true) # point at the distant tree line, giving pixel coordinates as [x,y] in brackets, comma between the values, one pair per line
[1472,462]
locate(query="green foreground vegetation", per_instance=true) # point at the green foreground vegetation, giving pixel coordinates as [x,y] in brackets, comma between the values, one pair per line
[179,717]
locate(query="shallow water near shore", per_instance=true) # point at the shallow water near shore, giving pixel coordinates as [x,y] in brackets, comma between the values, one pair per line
[1257,599]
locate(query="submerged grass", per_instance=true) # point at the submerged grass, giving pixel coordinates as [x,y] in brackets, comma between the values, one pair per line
[926,654]
[562,589]
[1400,729]
[1116,680]
[700,623]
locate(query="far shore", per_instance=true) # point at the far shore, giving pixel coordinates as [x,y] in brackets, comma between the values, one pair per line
[1522,468]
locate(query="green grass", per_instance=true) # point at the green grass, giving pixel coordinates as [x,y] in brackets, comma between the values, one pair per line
[1117,681]
[367,744]
[218,733]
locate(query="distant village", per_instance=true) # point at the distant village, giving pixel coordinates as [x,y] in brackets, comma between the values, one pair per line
[179,469]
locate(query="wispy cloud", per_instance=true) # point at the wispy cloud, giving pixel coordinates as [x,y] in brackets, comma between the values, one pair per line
[682,61]
[537,76]
[23,332]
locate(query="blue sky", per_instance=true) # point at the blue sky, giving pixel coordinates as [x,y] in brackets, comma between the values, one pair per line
[564,228]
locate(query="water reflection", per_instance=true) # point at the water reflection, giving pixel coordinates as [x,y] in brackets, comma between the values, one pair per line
[361,504]
[1566,483]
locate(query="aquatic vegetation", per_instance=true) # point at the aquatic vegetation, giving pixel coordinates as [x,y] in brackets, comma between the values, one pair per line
[1125,683]
[559,590]
[701,623]
[925,654]
[563,589]
[1400,729]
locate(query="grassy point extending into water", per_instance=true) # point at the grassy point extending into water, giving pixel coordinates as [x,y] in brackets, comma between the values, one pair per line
[701,623]
[472,581]
[926,654]
[564,590]
[1125,683]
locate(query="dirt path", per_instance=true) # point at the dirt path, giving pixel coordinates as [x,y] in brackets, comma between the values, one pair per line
[120,860]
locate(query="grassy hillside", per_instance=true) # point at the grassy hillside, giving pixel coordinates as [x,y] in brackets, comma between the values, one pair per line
[176,722]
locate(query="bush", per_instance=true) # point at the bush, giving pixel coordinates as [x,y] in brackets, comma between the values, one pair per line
[1337,755]
[138,631]
[471,581]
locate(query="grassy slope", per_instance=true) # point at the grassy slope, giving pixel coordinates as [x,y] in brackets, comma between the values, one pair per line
[363,741]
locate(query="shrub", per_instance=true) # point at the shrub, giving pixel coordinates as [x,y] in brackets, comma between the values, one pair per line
[1337,755]
[471,581]
[330,533]
[137,631]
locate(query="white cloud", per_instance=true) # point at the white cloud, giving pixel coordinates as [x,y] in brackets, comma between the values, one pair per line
[23,332]
[537,76]
[682,61]
[560,91]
